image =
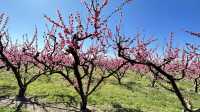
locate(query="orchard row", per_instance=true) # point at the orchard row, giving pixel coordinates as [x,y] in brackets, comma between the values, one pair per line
[86,66]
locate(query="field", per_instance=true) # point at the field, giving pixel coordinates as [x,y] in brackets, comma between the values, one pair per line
[74,56]
[134,95]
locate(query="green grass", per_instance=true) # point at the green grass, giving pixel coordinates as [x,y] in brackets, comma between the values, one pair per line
[134,95]
[6,109]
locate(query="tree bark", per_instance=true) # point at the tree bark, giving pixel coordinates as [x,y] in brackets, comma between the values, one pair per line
[119,81]
[21,94]
[84,104]
[196,85]
[154,81]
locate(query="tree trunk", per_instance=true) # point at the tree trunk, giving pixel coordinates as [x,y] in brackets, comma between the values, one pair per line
[196,85]
[179,95]
[21,94]
[21,98]
[84,104]
[119,81]
[173,84]
[154,81]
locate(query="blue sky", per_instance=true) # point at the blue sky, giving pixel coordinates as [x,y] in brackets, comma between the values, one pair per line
[151,17]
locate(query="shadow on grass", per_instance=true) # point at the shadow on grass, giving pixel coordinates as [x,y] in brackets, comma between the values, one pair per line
[6,91]
[63,103]
[119,108]
[136,87]
[130,85]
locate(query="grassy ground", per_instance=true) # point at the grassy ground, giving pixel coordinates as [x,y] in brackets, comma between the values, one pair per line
[134,95]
